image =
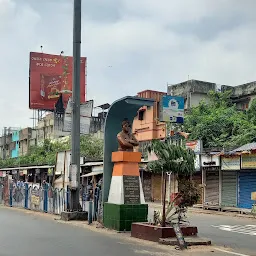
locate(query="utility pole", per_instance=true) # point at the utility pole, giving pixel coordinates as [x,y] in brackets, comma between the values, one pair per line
[75,131]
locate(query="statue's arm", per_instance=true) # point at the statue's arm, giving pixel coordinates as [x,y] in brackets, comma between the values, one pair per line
[134,141]
[122,141]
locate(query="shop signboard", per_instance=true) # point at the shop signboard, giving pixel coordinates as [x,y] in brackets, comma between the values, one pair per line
[210,160]
[248,161]
[230,163]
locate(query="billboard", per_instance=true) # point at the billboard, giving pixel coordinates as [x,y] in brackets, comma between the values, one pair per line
[49,77]
[172,109]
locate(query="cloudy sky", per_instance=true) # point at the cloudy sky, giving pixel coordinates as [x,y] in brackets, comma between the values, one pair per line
[131,45]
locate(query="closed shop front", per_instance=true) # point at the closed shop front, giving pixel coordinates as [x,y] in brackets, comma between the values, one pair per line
[229,172]
[229,189]
[247,185]
[212,187]
[247,180]
[211,179]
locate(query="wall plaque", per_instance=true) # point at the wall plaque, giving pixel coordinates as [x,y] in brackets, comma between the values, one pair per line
[131,189]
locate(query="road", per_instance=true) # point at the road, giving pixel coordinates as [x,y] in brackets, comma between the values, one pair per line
[238,233]
[24,233]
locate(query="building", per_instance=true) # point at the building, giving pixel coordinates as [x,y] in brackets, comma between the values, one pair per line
[9,143]
[50,127]
[27,138]
[14,146]
[146,125]
[195,91]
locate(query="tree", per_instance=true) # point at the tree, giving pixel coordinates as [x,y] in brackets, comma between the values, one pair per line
[91,147]
[219,123]
[175,159]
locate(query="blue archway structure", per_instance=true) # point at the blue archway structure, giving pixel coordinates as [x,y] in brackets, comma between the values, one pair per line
[126,107]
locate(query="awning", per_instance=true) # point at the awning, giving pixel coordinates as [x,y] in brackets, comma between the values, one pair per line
[92,163]
[92,174]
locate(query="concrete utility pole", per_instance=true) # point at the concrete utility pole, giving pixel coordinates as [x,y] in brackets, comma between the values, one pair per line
[75,131]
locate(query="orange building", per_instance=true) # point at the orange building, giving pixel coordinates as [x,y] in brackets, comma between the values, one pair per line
[146,125]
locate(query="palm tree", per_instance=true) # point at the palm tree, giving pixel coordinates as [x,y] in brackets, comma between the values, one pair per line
[171,158]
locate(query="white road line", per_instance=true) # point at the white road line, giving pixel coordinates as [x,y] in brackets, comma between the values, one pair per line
[233,253]
[246,230]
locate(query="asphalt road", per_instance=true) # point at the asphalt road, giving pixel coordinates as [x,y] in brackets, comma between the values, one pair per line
[237,233]
[24,233]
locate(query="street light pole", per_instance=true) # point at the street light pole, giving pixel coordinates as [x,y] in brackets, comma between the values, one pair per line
[75,131]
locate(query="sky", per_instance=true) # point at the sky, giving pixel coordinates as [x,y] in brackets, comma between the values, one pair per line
[131,45]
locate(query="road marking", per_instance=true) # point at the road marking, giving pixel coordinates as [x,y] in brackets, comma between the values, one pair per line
[246,230]
[233,253]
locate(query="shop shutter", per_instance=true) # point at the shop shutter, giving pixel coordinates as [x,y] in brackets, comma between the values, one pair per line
[212,188]
[229,189]
[247,185]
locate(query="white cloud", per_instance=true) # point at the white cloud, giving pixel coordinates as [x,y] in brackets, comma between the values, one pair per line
[147,43]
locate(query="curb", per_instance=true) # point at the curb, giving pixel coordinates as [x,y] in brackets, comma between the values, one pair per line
[190,241]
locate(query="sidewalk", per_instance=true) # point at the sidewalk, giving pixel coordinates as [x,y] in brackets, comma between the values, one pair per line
[227,211]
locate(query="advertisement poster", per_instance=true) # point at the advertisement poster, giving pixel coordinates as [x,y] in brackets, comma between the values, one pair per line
[49,77]
[172,109]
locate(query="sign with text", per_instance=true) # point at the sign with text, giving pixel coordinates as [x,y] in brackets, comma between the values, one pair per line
[172,109]
[230,163]
[35,197]
[51,76]
[85,117]
[131,189]
[248,161]
[210,160]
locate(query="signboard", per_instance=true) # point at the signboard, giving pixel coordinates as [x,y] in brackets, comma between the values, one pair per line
[131,189]
[50,172]
[230,163]
[49,77]
[85,117]
[35,198]
[179,236]
[248,161]
[172,109]
[194,145]
[210,160]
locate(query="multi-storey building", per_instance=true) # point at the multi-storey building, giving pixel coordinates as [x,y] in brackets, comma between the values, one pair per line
[194,91]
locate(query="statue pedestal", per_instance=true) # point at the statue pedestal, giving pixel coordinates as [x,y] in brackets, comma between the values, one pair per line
[126,203]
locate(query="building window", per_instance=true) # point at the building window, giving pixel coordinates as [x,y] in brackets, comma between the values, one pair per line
[141,114]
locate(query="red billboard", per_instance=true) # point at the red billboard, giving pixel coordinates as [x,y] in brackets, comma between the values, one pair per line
[51,76]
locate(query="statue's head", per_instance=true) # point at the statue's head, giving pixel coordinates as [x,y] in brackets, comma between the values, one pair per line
[126,126]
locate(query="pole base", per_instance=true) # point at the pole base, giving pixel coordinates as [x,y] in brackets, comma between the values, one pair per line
[67,216]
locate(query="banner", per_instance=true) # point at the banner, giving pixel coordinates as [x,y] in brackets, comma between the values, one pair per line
[51,76]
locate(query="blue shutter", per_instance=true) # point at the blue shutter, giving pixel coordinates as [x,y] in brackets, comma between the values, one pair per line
[247,185]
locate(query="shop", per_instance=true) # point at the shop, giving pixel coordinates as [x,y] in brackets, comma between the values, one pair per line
[230,167]
[211,179]
[247,180]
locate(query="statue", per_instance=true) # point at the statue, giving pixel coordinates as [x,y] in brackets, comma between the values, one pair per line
[126,140]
